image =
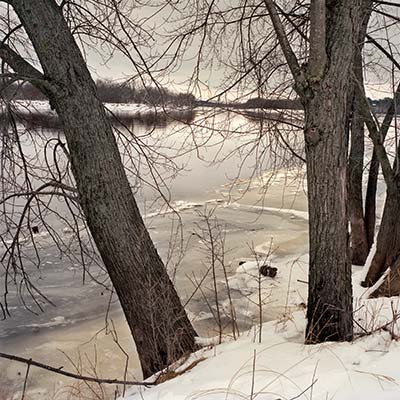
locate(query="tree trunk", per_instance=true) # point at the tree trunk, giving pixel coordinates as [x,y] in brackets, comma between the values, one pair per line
[157,320]
[360,245]
[387,253]
[359,238]
[387,249]
[370,199]
[329,310]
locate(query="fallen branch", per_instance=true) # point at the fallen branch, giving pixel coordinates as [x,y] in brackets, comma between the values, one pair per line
[59,370]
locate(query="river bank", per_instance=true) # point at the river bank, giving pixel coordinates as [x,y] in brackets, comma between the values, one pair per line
[38,113]
[87,339]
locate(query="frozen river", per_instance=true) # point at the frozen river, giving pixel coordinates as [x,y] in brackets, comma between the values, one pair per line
[253,210]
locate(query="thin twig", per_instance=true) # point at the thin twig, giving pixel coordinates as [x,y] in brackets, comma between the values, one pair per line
[26,379]
[253,373]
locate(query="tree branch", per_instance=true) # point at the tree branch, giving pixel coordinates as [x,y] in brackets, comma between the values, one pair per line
[387,3]
[59,371]
[384,51]
[9,78]
[25,69]
[385,14]
[10,33]
[285,45]
[41,191]
[378,135]
[291,22]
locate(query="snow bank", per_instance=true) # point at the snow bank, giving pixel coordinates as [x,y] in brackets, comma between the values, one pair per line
[280,366]
[119,109]
[279,211]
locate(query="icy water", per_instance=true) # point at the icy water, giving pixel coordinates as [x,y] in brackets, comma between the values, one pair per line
[84,330]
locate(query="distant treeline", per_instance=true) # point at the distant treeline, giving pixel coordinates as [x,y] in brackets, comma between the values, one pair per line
[379,106]
[112,92]
[256,103]
[285,104]
[382,105]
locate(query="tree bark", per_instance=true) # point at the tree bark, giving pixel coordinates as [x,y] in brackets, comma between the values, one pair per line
[157,320]
[388,241]
[324,91]
[370,199]
[387,250]
[360,245]
[359,239]
[329,310]
[387,253]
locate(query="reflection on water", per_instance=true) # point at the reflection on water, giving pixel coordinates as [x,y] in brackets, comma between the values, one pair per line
[151,117]
[78,330]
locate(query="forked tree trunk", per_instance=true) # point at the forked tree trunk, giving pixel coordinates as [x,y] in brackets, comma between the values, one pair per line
[157,320]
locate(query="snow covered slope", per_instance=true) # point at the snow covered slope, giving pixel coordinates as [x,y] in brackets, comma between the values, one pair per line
[282,367]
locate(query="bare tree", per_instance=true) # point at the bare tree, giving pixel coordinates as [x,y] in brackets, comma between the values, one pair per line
[158,322]
[324,87]
[385,148]
[318,41]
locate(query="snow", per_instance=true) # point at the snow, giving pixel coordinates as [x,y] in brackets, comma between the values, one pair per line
[279,296]
[274,363]
[293,213]
[119,109]
[36,106]
[281,366]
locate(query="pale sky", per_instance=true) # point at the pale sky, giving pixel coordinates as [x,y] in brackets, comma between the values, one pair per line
[378,85]
[119,67]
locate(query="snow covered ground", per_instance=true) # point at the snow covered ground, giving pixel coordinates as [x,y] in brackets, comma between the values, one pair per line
[277,365]
[280,366]
[120,109]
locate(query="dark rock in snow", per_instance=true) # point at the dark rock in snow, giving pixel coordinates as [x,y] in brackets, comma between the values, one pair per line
[267,270]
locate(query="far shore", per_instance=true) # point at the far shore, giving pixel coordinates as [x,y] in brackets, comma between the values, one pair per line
[38,114]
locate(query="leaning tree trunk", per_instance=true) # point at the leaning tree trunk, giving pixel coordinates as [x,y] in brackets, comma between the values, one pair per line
[360,245]
[157,320]
[325,100]
[387,253]
[387,248]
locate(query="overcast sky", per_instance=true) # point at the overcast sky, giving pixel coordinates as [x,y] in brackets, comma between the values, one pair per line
[119,67]
[379,84]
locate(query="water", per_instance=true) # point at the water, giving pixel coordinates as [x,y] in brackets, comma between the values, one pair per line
[200,169]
